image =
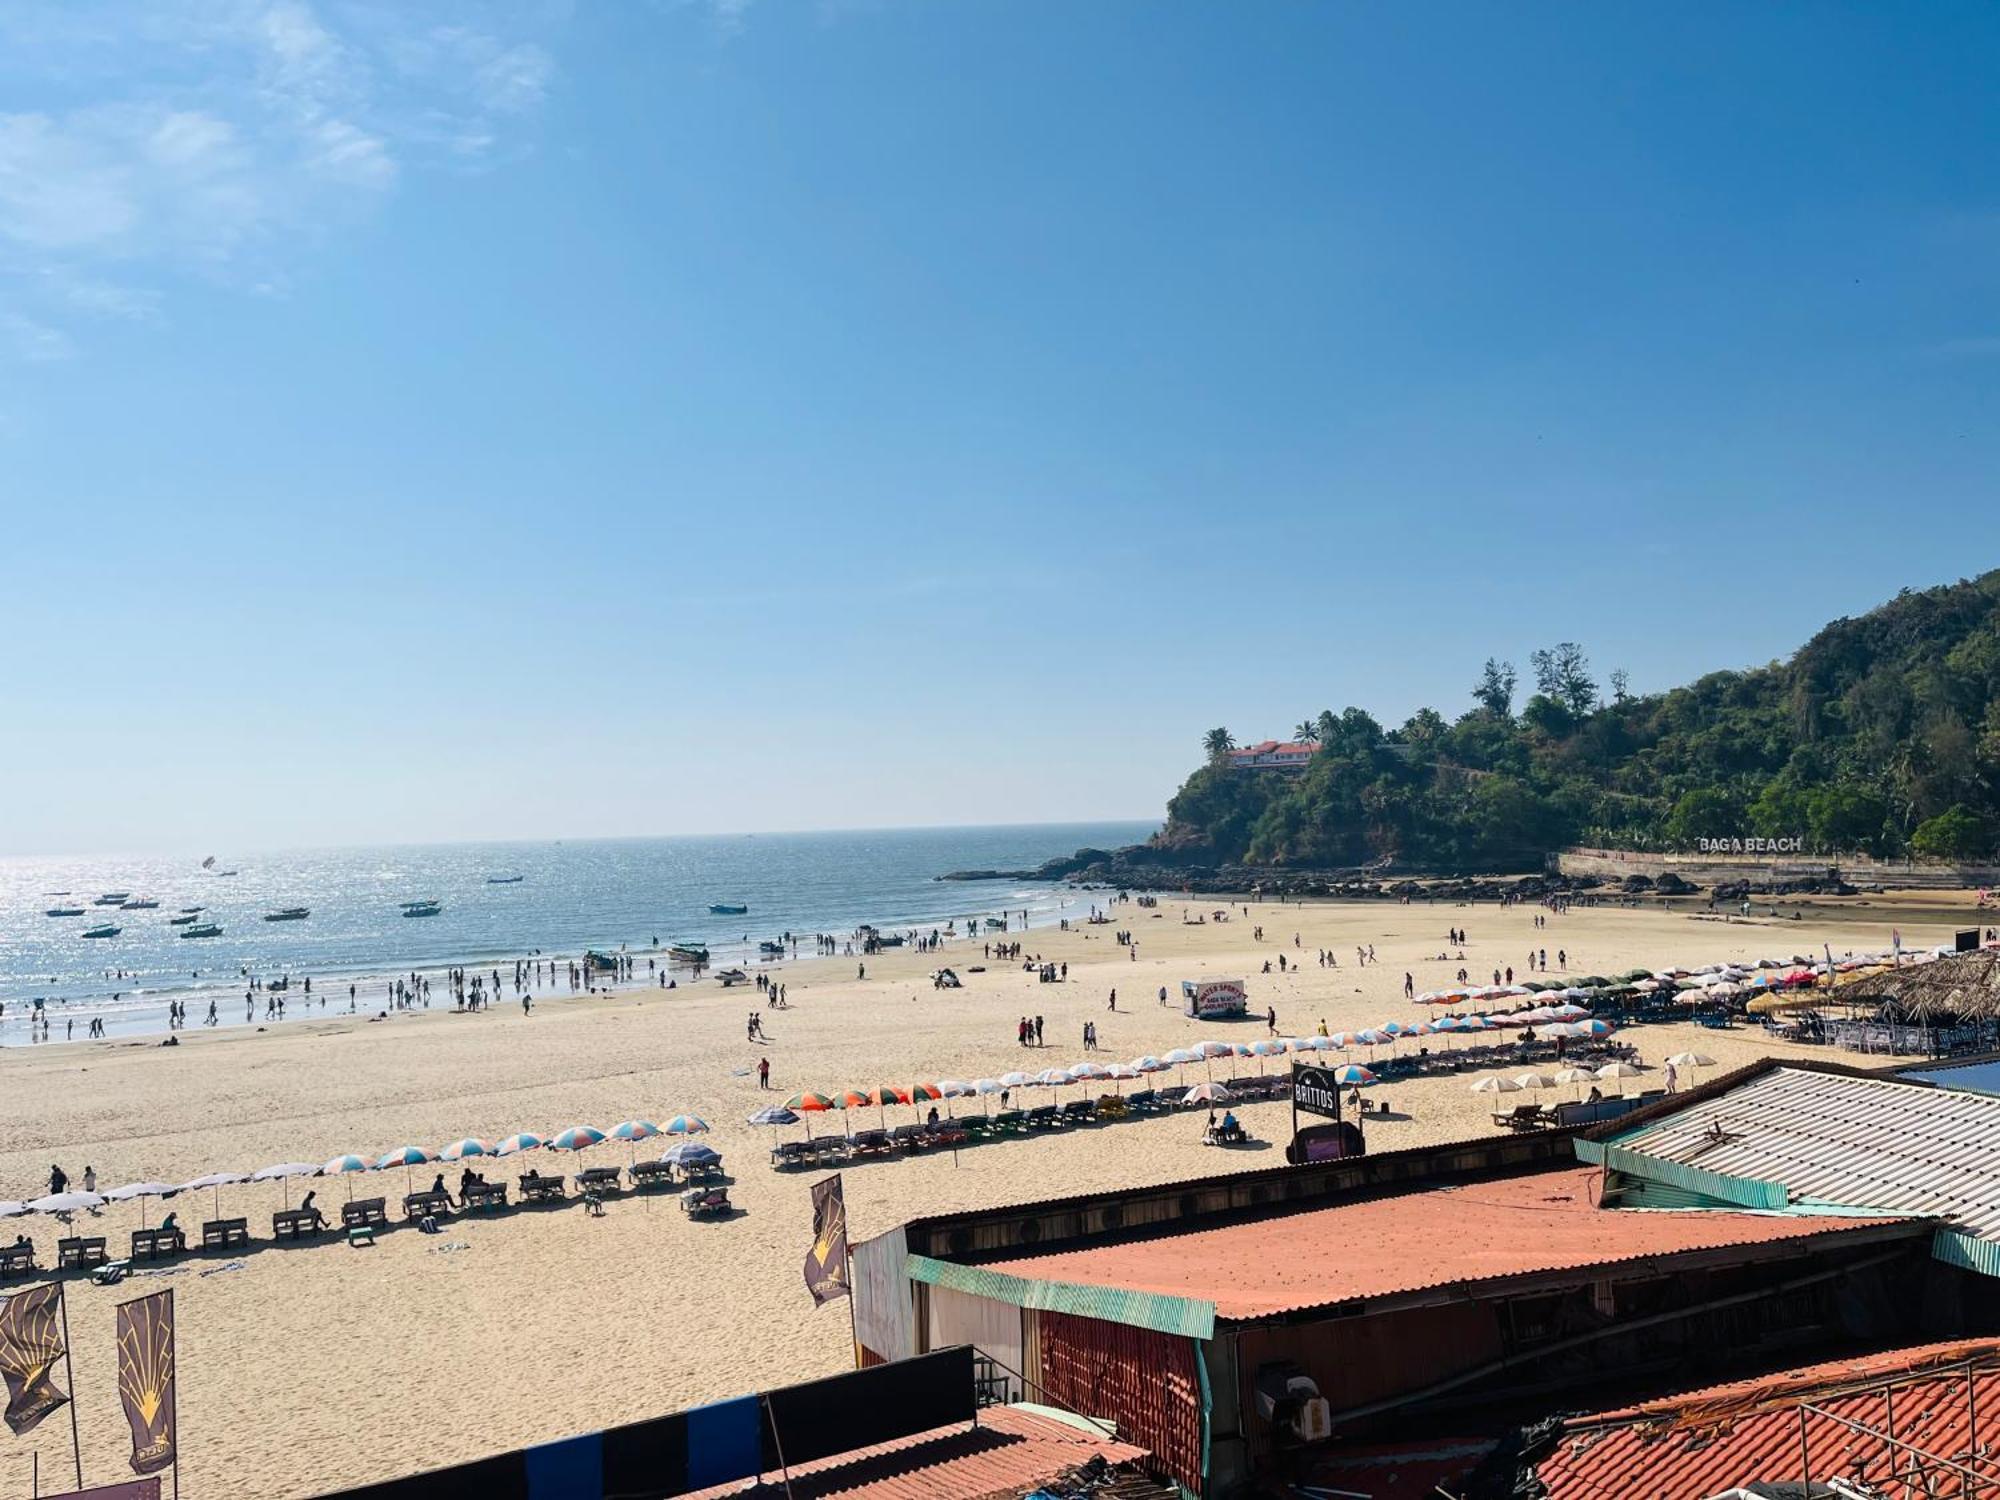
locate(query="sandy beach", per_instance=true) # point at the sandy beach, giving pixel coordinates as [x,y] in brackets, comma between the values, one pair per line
[310,1368]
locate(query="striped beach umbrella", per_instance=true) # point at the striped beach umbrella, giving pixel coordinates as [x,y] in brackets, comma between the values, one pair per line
[634,1130]
[1149,1064]
[577,1138]
[1353,1075]
[405,1157]
[810,1103]
[1206,1093]
[923,1093]
[472,1145]
[346,1166]
[514,1145]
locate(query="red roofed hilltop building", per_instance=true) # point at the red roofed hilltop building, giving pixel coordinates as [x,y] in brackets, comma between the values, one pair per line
[1421,1323]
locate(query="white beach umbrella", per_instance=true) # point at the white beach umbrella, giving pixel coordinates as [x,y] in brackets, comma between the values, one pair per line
[216,1181]
[1206,1093]
[284,1172]
[1015,1080]
[954,1088]
[64,1204]
[1691,1060]
[1494,1084]
[1535,1081]
[9,1207]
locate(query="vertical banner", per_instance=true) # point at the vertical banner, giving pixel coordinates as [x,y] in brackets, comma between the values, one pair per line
[31,1342]
[146,1379]
[826,1266]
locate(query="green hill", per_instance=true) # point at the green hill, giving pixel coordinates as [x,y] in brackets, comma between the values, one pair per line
[1881,735]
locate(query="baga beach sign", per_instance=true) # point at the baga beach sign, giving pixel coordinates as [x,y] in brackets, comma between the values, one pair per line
[1791,845]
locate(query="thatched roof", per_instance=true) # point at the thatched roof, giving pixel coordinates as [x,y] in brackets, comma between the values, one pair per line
[1963,985]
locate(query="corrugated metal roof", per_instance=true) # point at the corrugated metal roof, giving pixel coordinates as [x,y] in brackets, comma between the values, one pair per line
[1009,1452]
[1425,1240]
[1702,1443]
[1900,1148]
[1114,1304]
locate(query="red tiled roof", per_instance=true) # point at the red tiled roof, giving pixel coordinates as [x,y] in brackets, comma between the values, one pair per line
[1546,1221]
[1696,1444]
[1390,1471]
[1010,1452]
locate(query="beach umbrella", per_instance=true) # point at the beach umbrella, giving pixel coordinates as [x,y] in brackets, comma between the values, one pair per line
[64,1204]
[1212,1048]
[9,1207]
[216,1181]
[954,1088]
[1015,1080]
[1180,1057]
[1578,1076]
[1267,1048]
[405,1157]
[1591,1028]
[140,1190]
[810,1104]
[1206,1093]
[1535,1081]
[344,1166]
[1087,1070]
[774,1114]
[1618,1070]
[1495,1085]
[1353,1075]
[986,1088]
[1391,1028]
[472,1145]
[1118,1073]
[577,1138]
[685,1154]
[1149,1064]
[284,1172]
[1691,1060]
[514,1145]
[687,1125]
[634,1130]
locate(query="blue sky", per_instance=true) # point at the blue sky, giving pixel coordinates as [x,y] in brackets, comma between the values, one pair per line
[526,419]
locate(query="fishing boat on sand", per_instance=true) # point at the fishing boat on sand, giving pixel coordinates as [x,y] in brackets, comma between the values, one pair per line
[719,910]
[688,953]
[289,914]
[102,932]
[205,929]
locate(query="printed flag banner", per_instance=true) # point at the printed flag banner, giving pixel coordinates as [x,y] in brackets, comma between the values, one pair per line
[826,1266]
[146,1378]
[30,1344]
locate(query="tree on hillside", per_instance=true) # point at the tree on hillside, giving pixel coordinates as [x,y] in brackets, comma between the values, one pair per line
[1328,722]
[1424,729]
[1218,743]
[1495,688]
[1562,672]
[1956,834]
[1306,732]
[1621,685]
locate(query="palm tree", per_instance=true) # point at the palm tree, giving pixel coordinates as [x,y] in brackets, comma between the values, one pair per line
[1218,743]
[1306,732]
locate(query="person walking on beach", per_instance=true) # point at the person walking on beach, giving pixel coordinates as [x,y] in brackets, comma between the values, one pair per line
[1038,1031]
[58,1180]
[1114,1001]
[763,1072]
[1271,1020]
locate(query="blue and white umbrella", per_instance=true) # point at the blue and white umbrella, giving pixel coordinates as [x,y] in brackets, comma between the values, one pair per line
[577,1138]
[344,1166]
[634,1130]
[685,1125]
[405,1157]
[472,1145]
[525,1140]
[685,1154]
[774,1114]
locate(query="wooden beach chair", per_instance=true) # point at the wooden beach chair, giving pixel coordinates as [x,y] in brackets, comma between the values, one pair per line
[80,1252]
[225,1234]
[364,1213]
[295,1223]
[17,1260]
[157,1244]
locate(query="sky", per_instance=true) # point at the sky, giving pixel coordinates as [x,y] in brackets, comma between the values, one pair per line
[527,419]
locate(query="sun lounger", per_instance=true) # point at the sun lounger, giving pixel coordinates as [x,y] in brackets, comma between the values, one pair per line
[363,1213]
[427,1204]
[1143,1101]
[225,1234]
[874,1143]
[1525,1117]
[1080,1111]
[791,1153]
[17,1260]
[599,1179]
[535,1188]
[651,1174]
[1044,1117]
[946,1134]
[80,1252]
[157,1244]
[910,1137]
[705,1202]
[483,1195]
[296,1223]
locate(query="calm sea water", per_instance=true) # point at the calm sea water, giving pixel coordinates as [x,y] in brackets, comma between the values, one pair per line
[640,893]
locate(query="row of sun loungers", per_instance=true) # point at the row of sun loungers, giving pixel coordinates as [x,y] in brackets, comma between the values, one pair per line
[361,1217]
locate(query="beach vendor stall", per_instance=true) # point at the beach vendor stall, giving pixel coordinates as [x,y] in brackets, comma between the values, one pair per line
[1214,999]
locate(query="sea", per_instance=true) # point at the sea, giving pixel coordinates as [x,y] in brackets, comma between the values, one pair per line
[497,902]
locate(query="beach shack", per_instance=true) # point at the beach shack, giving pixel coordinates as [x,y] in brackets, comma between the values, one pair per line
[1214,999]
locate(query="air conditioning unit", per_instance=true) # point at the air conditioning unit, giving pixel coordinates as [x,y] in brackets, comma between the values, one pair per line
[1288,1399]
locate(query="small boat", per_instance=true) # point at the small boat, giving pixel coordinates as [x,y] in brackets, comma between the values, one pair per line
[63,911]
[731,976]
[289,914]
[222,872]
[599,963]
[184,921]
[139,906]
[188,911]
[728,911]
[421,908]
[113,898]
[206,929]
[102,932]
[505,879]
[772,950]
[688,953]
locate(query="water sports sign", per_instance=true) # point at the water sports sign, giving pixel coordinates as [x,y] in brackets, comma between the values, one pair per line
[1205,999]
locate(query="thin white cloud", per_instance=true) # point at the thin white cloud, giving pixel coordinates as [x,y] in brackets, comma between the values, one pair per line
[219,138]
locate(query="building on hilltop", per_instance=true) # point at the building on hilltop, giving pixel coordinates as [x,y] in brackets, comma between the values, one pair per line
[1272,755]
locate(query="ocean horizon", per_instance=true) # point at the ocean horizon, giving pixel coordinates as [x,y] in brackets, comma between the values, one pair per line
[497,901]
